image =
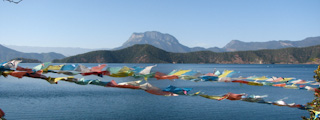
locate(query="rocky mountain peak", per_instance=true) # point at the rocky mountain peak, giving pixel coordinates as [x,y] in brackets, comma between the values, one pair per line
[150,37]
[231,45]
[160,40]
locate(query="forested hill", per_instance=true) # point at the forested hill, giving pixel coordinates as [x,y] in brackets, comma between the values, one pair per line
[150,54]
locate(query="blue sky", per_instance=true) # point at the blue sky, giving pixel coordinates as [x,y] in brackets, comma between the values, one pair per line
[109,23]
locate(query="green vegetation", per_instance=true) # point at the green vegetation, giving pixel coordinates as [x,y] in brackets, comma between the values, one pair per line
[315,104]
[150,54]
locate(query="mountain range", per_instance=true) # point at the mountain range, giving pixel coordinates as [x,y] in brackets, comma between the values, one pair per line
[7,54]
[169,43]
[150,54]
[162,41]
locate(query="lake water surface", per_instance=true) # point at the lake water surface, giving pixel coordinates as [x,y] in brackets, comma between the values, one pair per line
[29,98]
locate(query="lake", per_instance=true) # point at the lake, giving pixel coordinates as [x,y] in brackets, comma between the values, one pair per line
[30,98]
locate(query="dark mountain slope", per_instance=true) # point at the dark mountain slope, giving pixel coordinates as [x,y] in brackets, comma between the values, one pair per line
[150,54]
